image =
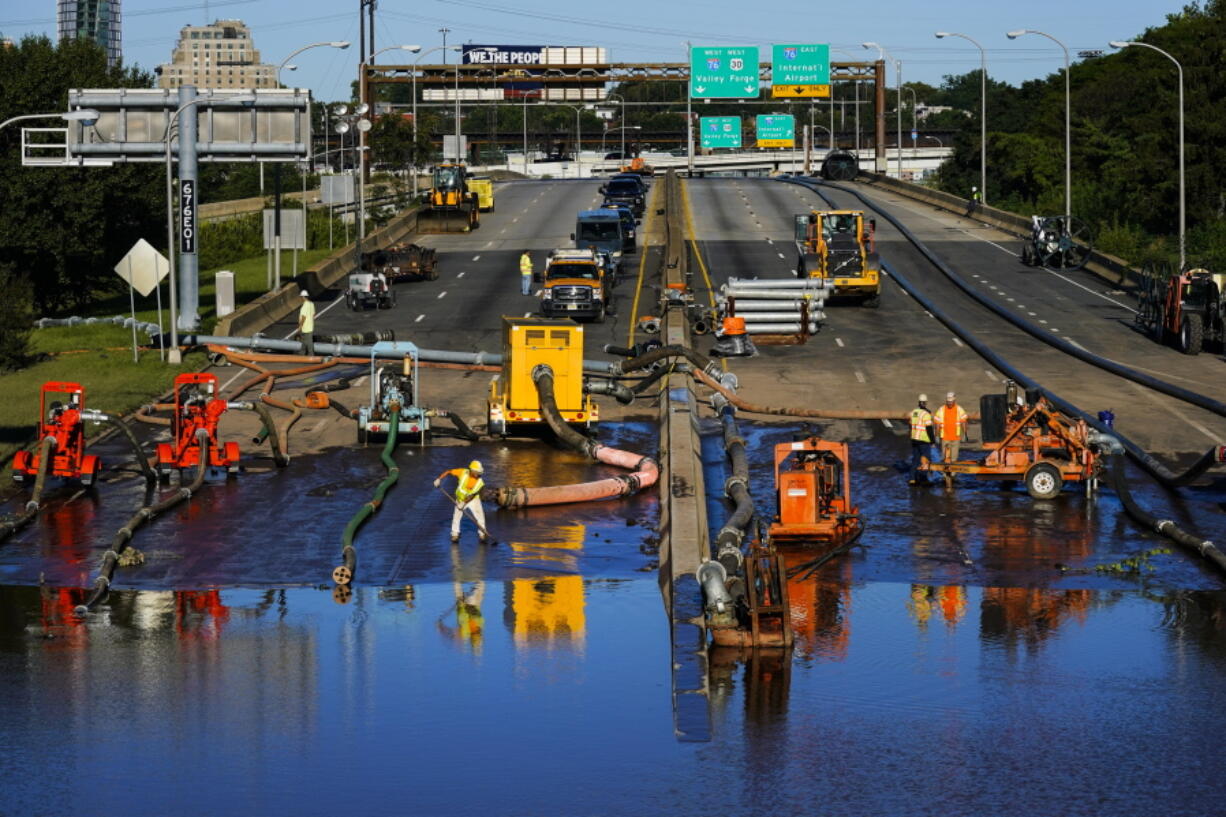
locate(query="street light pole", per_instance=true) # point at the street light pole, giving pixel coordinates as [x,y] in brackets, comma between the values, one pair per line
[1068,164]
[1183,256]
[983,111]
[341,44]
[689,113]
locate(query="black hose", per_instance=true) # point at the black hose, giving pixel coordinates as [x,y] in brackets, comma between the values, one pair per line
[145,468]
[11,526]
[342,409]
[279,454]
[736,488]
[542,376]
[663,353]
[656,376]
[1165,527]
[804,570]
[1147,461]
[462,428]
[123,536]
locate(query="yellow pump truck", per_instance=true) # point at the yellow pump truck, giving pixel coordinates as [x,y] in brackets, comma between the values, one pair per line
[451,206]
[834,245]
[514,404]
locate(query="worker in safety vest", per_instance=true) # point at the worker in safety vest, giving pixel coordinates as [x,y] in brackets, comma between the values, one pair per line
[467,496]
[951,420]
[525,273]
[922,438]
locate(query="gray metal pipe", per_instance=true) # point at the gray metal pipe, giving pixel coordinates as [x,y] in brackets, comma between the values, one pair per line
[747,305]
[775,317]
[713,578]
[778,328]
[775,283]
[769,294]
[215,148]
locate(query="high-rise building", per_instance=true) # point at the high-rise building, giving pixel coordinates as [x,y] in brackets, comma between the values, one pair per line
[96,20]
[218,56]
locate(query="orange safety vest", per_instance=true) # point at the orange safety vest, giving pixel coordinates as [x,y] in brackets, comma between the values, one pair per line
[951,428]
[920,420]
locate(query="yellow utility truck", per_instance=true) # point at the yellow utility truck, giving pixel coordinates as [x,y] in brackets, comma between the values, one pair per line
[576,285]
[514,404]
[836,246]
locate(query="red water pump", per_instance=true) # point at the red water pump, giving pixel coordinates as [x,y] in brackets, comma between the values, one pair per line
[60,405]
[196,407]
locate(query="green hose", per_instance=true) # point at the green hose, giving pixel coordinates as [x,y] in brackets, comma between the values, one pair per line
[343,573]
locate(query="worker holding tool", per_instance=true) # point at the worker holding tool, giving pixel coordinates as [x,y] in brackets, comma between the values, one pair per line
[306,324]
[525,273]
[467,498]
[951,419]
[921,438]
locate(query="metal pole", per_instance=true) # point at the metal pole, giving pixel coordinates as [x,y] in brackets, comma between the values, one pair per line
[457,108]
[414,85]
[578,145]
[983,125]
[624,129]
[189,262]
[689,114]
[898,112]
[170,250]
[525,99]
[276,228]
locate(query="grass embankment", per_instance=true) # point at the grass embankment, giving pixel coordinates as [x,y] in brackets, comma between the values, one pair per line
[100,357]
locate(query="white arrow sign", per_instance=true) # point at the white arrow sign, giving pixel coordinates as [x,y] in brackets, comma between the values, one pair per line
[702,89]
[749,89]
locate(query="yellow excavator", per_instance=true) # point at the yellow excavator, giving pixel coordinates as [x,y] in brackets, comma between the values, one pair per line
[451,207]
[834,245]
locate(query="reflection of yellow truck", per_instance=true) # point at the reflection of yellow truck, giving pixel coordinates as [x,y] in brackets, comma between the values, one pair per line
[484,188]
[526,343]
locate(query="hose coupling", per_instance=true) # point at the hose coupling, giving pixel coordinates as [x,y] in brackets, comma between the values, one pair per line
[718,401]
[713,578]
[541,370]
[241,405]
[734,480]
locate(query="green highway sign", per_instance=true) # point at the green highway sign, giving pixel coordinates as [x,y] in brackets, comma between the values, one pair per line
[800,70]
[776,131]
[720,131]
[724,73]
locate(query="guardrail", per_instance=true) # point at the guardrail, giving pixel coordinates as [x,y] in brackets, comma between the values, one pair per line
[273,306]
[1114,270]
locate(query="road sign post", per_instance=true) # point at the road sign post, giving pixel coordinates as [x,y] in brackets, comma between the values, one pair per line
[720,131]
[724,73]
[800,71]
[776,131]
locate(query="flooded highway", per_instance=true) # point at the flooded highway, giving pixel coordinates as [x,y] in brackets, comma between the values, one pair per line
[978,635]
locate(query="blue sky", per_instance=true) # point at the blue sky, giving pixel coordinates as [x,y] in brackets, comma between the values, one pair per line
[640,31]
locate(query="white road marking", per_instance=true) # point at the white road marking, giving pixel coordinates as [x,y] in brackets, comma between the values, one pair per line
[515,219]
[989,374]
[780,255]
[957,341]
[1042,321]
[489,244]
[419,317]
[860,376]
[320,425]
[478,257]
[459,275]
[1032,314]
[929,314]
[442,294]
[1153,398]
[839,341]
[886,423]
[527,314]
[1054,329]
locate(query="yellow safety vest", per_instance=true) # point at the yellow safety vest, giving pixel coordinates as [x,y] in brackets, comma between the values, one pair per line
[468,486]
[525,265]
[920,420]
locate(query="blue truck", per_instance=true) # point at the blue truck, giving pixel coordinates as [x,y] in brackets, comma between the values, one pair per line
[602,231]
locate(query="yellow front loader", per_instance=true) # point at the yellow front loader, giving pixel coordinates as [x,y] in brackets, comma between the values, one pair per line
[451,207]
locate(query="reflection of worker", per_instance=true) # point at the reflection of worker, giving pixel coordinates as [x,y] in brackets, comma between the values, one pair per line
[306,324]
[921,438]
[951,419]
[525,273]
[467,497]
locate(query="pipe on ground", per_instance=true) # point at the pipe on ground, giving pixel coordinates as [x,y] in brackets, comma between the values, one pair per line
[126,430]
[660,353]
[110,560]
[24,518]
[644,471]
[621,392]
[342,574]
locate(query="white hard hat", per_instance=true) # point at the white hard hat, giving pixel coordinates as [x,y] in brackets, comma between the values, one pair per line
[949,395]
[305,294]
[923,398]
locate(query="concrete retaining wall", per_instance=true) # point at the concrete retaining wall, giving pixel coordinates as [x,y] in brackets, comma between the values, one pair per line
[273,306]
[1114,270]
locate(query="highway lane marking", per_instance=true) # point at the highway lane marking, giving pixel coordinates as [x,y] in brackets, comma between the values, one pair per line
[459,275]
[886,423]
[319,425]
[781,255]
[638,287]
[489,244]
[860,376]
[839,341]
[527,314]
[515,219]
[990,375]
[442,294]
[1053,272]
[478,257]
[959,342]
[1032,314]
[1153,398]
[419,317]
[1042,321]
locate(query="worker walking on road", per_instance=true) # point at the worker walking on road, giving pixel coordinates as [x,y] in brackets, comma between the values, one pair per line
[951,420]
[921,438]
[306,324]
[525,273]
[467,497]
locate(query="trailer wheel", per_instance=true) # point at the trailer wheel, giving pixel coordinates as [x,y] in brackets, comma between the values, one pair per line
[1043,481]
[1027,254]
[1192,334]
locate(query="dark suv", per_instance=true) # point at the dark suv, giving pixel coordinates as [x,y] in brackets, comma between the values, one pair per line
[627,192]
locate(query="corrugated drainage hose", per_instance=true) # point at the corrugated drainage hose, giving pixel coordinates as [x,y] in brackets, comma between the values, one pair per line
[461,427]
[342,574]
[644,470]
[663,353]
[123,536]
[818,414]
[115,422]
[18,522]
[279,455]
[736,488]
